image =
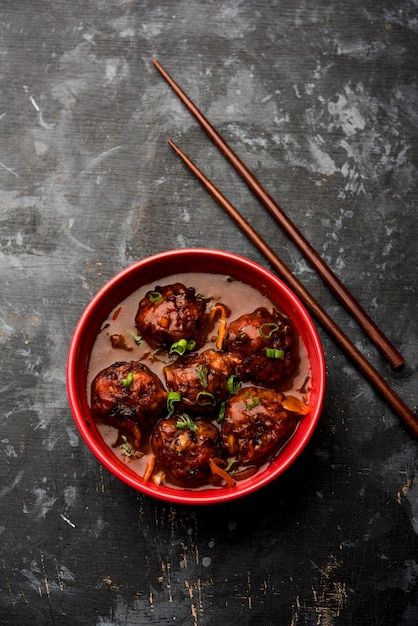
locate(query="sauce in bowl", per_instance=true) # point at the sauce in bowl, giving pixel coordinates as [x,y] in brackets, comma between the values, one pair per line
[118,342]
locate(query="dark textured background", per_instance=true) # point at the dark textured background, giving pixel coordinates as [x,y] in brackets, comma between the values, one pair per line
[320,100]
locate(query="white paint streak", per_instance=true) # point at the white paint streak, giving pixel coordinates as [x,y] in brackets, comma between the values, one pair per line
[43,503]
[346,113]
[67,520]
[5,490]
[324,163]
[101,157]
[9,450]
[70,496]
[77,243]
[72,437]
[32,99]
[6,330]
[41,121]
[9,169]
[116,69]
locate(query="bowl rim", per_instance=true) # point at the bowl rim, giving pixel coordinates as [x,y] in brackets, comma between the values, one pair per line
[121,470]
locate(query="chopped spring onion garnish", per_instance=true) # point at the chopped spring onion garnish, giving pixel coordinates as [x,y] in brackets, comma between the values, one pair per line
[154,296]
[137,338]
[204,398]
[127,382]
[182,346]
[221,414]
[266,330]
[233,385]
[125,447]
[231,462]
[185,421]
[172,398]
[274,353]
[202,373]
[250,401]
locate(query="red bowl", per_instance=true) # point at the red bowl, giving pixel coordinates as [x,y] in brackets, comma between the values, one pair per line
[158,267]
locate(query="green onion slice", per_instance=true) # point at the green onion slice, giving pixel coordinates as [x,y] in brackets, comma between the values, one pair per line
[274,353]
[172,398]
[154,296]
[233,385]
[202,373]
[125,447]
[231,462]
[221,414]
[251,401]
[127,382]
[204,398]
[137,338]
[182,346]
[185,421]
[266,330]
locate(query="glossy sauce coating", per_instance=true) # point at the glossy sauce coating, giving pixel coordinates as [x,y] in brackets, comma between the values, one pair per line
[128,395]
[170,313]
[249,338]
[186,453]
[201,379]
[254,423]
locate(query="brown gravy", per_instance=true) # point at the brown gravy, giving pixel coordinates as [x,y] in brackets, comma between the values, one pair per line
[116,342]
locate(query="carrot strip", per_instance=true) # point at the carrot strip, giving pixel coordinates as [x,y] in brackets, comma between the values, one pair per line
[116,313]
[149,468]
[158,478]
[222,323]
[230,482]
[294,405]
[221,333]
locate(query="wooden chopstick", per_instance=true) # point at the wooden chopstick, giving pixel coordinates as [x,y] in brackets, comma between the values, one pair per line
[359,360]
[335,285]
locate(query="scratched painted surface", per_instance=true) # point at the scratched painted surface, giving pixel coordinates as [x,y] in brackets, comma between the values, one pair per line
[320,99]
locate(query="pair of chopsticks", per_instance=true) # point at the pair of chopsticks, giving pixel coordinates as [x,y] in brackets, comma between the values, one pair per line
[335,285]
